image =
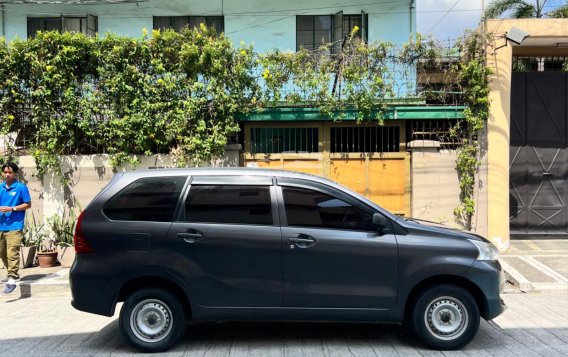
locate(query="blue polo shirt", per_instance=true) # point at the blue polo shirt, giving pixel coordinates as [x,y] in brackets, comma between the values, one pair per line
[12,196]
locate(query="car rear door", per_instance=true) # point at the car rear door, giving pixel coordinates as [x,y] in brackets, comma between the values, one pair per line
[333,257]
[226,243]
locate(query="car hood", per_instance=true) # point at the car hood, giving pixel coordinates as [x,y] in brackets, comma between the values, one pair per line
[437,228]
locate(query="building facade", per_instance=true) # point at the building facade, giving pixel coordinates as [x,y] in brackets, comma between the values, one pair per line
[401,165]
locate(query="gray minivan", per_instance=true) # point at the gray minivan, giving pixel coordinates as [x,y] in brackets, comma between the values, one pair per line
[251,244]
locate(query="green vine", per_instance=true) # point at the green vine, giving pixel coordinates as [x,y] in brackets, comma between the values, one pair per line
[473,79]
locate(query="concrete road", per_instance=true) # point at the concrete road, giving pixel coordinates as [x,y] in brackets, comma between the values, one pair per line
[536,324]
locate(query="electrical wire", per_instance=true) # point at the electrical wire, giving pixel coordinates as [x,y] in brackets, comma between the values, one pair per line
[443,17]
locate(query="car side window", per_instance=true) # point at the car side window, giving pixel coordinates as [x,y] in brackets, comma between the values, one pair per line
[147,199]
[230,204]
[309,208]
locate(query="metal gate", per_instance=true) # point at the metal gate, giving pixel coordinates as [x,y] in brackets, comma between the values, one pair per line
[368,158]
[538,154]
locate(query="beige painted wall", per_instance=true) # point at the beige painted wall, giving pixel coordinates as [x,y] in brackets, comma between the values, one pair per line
[435,190]
[544,34]
[435,186]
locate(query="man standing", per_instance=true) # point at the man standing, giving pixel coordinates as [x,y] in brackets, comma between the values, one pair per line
[14,200]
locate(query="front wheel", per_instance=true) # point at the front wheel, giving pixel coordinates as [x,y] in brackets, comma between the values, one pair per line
[445,317]
[152,320]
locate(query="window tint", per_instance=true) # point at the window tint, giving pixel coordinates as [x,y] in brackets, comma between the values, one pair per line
[147,199]
[307,208]
[229,204]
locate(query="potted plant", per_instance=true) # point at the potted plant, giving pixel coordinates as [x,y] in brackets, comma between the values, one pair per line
[33,235]
[47,252]
[63,228]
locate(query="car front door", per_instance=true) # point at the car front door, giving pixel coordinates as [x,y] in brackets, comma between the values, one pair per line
[226,243]
[333,256]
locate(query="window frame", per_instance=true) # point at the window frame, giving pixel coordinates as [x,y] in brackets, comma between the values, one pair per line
[84,21]
[333,18]
[230,180]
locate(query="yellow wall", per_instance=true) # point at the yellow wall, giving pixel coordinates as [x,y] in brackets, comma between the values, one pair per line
[544,34]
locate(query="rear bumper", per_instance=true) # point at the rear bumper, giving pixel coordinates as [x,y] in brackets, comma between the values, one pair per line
[92,289]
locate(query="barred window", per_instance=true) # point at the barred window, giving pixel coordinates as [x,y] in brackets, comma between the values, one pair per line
[179,22]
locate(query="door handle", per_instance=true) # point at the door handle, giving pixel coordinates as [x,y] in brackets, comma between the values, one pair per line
[302,241]
[546,174]
[190,237]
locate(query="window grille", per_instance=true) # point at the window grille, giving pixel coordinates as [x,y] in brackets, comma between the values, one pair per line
[179,22]
[283,140]
[365,139]
[436,130]
[540,64]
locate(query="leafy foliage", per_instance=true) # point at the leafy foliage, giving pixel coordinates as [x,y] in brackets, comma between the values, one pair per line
[125,96]
[521,9]
[473,79]
[178,93]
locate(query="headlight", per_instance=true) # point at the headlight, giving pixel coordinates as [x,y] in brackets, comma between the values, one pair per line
[487,251]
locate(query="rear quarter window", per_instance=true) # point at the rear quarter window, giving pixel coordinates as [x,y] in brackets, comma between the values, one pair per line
[147,199]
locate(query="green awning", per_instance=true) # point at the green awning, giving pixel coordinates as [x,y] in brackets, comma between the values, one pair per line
[393,113]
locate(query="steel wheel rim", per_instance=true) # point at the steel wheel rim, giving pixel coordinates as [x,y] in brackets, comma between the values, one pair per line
[446,318]
[151,320]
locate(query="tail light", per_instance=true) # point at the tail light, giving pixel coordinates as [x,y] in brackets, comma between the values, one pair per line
[81,244]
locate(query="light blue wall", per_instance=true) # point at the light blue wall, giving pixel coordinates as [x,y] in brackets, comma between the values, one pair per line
[266,23]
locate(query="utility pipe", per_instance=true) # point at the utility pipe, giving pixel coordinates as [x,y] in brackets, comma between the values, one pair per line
[413,18]
[3,21]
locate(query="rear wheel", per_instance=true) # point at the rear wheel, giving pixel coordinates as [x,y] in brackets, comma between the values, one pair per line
[152,320]
[445,317]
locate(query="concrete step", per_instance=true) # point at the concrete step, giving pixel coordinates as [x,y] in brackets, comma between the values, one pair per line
[41,282]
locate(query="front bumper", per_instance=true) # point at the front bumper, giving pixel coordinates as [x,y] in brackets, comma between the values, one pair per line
[490,279]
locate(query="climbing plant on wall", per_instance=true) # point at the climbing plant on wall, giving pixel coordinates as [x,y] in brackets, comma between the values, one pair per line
[179,92]
[472,75]
[74,94]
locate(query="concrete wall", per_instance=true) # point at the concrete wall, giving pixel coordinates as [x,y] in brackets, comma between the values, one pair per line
[87,175]
[435,186]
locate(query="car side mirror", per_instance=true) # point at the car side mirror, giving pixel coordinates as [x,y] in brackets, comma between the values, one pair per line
[382,223]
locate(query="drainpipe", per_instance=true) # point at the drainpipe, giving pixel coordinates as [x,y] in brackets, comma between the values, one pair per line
[413,18]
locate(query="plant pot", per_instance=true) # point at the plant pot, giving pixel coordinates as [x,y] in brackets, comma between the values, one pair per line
[47,259]
[66,256]
[27,256]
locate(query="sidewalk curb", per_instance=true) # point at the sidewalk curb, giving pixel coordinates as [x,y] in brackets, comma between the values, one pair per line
[515,277]
[53,285]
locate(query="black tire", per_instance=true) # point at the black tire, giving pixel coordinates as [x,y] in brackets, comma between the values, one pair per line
[152,320]
[445,317]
